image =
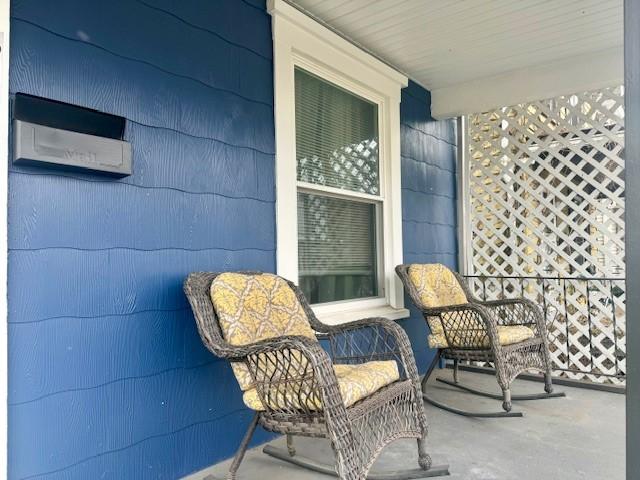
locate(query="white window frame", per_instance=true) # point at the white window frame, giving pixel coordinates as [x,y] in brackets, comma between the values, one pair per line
[300,41]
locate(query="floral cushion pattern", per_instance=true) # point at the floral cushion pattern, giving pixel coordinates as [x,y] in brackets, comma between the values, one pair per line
[356,382]
[507,334]
[251,308]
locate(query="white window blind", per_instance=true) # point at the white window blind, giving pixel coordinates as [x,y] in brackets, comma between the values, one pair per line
[336,248]
[336,147]
[336,136]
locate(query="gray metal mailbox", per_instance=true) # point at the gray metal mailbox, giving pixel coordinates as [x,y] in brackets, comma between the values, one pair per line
[41,144]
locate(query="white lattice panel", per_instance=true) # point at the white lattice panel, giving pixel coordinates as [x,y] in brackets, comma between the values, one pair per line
[546,198]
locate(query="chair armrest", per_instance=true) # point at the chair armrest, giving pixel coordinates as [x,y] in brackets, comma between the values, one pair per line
[294,378]
[376,338]
[291,374]
[518,311]
[370,339]
[309,347]
[468,325]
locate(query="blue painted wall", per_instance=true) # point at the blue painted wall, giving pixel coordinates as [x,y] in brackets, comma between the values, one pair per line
[108,377]
[428,150]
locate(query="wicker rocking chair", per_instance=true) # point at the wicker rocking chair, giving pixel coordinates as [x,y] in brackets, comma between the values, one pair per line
[361,394]
[510,334]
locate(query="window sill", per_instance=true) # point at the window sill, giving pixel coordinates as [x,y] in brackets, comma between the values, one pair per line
[386,311]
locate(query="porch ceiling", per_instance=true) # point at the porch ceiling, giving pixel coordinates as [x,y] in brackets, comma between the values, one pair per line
[454,47]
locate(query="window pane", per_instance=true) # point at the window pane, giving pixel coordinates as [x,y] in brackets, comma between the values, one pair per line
[336,248]
[336,136]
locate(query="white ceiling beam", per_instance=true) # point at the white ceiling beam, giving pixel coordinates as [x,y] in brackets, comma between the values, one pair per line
[568,75]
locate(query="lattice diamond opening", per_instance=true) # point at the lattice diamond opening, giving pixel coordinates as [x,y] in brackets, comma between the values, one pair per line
[546,198]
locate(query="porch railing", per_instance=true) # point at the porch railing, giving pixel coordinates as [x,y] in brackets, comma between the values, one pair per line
[585,318]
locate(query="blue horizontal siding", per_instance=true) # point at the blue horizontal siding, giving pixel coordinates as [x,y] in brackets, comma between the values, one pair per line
[91,77]
[100,345]
[131,217]
[156,404]
[429,224]
[429,238]
[239,22]
[427,149]
[68,282]
[108,376]
[210,58]
[141,459]
[421,207]
[428,178]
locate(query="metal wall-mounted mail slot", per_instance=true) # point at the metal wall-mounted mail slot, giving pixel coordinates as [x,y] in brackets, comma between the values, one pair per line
[39,144]
[68,136]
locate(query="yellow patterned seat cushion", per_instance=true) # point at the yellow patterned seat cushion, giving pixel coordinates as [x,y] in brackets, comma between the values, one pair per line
[356,382]
[508,335]
[256,307]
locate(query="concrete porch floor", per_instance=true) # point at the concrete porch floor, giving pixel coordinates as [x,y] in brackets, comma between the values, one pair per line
[578,437]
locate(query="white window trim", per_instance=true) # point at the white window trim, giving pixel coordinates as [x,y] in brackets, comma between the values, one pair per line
[298,40]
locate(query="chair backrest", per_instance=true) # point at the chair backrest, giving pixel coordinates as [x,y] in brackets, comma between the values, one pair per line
[256,306]
[435,285]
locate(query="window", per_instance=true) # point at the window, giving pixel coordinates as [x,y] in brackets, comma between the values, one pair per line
[338,170]
[337,147]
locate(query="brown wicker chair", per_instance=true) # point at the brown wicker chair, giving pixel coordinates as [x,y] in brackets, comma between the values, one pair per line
[511,334]
[299,388]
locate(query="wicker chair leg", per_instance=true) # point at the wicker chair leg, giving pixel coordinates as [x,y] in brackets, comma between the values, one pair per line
[548,384]
[423,384]
[237,460]
[290,447]
[430,369]
[424,459]
[455,370]
[506,403]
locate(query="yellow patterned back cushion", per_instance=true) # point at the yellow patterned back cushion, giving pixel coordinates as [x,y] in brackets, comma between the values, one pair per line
[251,308]
[437,286]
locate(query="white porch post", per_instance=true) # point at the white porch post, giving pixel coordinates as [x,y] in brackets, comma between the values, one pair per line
[632,152]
